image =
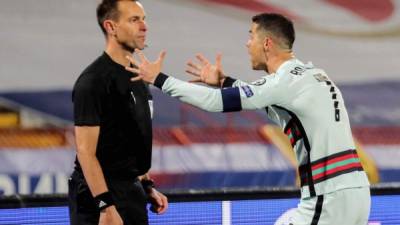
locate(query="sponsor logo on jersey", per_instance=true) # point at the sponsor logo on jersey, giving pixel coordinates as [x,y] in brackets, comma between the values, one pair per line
[247,91]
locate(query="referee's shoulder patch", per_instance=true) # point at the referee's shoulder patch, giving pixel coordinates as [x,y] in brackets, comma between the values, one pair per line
[247,91]
[259,82]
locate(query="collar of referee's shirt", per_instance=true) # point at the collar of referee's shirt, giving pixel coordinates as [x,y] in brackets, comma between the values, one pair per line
[111,62]
[118,66]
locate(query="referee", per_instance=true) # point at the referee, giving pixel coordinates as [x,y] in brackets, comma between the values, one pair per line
[113,128]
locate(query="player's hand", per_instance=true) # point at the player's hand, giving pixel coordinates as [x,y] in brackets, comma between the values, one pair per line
[206,72]
[145,70]
[110,216]
[159,202]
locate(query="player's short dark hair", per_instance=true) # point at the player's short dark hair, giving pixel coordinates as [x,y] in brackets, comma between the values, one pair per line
[278,25]
[108,9]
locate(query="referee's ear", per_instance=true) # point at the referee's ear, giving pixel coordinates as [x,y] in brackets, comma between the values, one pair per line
[109,27]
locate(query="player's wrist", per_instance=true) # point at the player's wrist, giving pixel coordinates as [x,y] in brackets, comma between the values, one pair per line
[228,82]
[160,79]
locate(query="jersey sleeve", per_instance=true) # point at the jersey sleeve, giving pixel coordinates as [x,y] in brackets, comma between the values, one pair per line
[240,96]
[87,97]
[205,98]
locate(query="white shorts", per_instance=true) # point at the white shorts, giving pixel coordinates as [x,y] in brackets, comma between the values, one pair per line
[343,207]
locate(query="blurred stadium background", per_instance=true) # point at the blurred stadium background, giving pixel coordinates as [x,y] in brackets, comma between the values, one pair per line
[45,44]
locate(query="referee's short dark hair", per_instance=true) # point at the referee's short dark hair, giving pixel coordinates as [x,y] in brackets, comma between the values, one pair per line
[280,26]
[108,9]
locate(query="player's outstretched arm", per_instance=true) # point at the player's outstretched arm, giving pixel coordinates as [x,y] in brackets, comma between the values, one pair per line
[209,99]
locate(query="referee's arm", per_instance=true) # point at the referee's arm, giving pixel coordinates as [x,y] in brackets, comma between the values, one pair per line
[86,141]
[87,97]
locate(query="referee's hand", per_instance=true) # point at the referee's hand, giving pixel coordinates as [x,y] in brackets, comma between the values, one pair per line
[159,202]
[110,216]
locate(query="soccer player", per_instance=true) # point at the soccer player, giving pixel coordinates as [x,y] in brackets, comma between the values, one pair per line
[303,101]
[110,185]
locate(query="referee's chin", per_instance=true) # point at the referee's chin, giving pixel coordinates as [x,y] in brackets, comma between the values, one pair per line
[141,47]
[132,49]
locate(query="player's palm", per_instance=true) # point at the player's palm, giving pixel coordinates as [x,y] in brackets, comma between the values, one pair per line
[206,72]
[145,70]
[209,74]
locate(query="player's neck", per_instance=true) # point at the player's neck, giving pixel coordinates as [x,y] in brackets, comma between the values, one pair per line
[276,61]
[117,53]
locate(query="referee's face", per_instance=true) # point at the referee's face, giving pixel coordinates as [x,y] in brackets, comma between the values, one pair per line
[131,27]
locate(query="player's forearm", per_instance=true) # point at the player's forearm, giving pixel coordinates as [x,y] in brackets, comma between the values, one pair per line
[93,173]
[206,98]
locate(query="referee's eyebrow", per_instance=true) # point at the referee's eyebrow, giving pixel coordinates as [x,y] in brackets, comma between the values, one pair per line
[137,17]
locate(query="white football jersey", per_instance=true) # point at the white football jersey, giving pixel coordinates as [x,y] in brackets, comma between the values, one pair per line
[309,108]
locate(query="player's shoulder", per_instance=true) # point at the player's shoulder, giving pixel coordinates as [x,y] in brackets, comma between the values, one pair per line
[293,67]
[297,70]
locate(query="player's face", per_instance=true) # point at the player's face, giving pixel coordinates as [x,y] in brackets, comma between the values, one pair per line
[131,26]
[255,46]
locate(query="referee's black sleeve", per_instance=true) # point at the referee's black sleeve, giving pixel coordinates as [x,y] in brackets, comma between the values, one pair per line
[87,97]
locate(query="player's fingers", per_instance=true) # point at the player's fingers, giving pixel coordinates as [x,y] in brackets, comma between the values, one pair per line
[218,61]
[132,60]
[136,78]
[191,72]
[193,66]
[195,80]
[202,59]
[161,57]
[133,70]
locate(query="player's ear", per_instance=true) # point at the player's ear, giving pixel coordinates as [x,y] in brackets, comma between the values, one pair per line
[109,27]
[266,43]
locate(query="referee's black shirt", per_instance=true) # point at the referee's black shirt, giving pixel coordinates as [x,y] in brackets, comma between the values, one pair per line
[104,96]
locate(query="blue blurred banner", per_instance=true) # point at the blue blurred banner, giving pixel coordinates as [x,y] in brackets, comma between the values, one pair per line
[384,211]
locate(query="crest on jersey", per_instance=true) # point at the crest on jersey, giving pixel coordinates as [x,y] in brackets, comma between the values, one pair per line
[259,82]
[247,91]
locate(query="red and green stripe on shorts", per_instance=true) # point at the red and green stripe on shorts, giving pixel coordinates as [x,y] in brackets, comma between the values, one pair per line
[331,166]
